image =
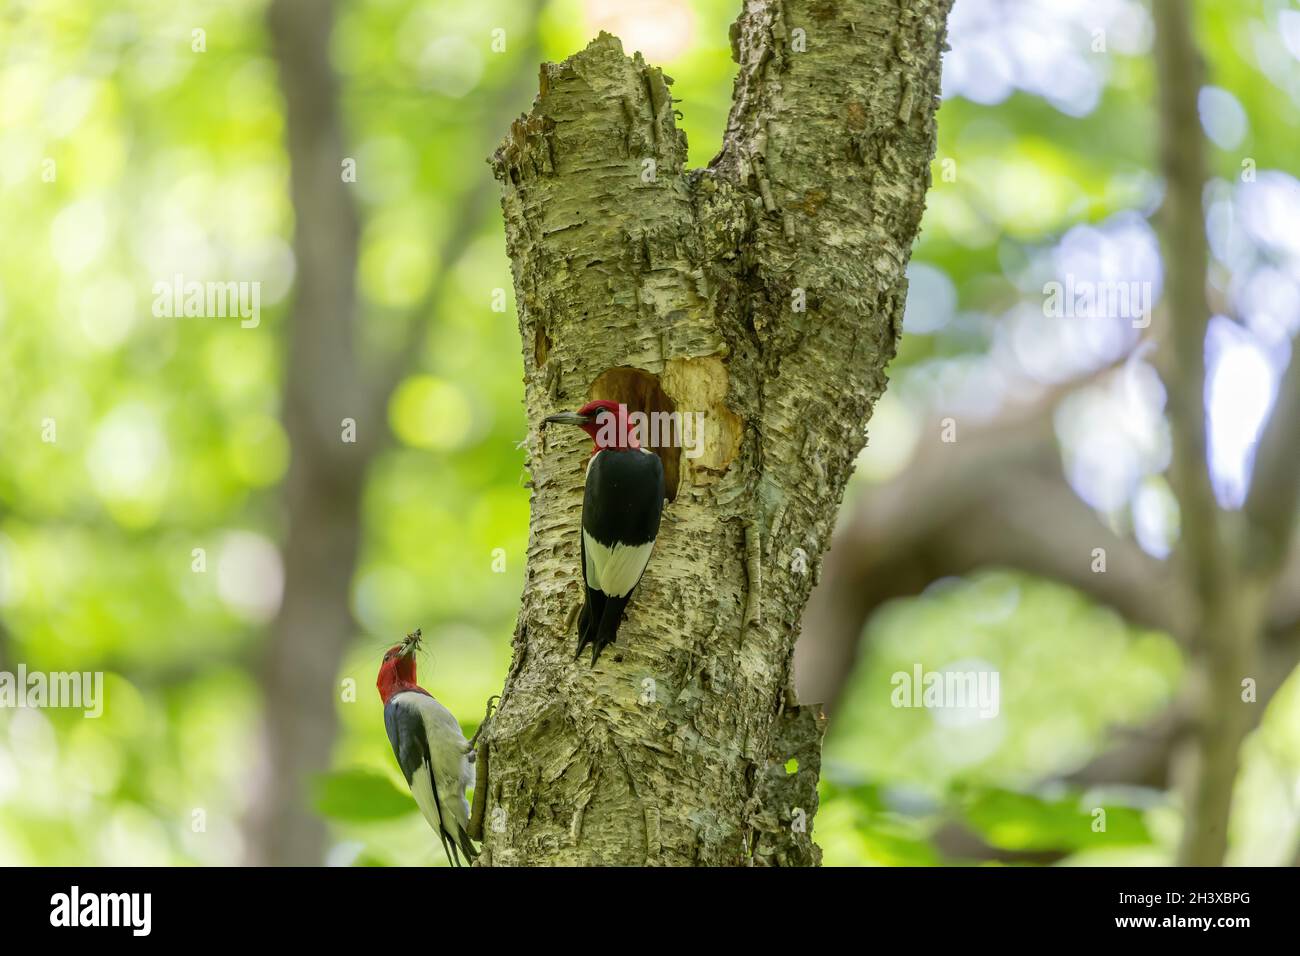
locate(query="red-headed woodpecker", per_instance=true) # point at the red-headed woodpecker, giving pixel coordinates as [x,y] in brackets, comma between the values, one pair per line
[434,755]
[620,518]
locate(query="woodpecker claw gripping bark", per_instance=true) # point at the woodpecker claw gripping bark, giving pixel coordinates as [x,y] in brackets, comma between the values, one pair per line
[621,509]
[430,748]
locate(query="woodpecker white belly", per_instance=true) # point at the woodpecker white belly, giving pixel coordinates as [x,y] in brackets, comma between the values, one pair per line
[446,763]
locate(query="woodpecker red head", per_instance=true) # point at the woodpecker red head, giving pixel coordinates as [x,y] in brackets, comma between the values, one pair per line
[606,422]
[397,672]
[430,748]
[621,509]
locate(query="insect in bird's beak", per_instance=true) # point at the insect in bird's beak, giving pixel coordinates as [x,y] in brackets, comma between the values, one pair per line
[410,644]
[568,418]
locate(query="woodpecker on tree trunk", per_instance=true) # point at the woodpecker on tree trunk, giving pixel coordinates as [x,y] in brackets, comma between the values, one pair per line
[435,757]
[621,508]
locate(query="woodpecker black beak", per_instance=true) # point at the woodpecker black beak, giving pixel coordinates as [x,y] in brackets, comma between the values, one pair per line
[568,418]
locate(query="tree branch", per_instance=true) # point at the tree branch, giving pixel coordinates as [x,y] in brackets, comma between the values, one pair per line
[1270,509]
[996,499]
[1229,610]
[1182,233]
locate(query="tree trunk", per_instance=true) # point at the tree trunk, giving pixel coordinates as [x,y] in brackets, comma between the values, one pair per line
[766,292]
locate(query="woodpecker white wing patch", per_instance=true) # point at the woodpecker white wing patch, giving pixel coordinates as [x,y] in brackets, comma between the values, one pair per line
[615,570]
[450,766]
[422,790]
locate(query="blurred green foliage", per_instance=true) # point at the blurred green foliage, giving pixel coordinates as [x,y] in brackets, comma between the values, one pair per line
[360,796]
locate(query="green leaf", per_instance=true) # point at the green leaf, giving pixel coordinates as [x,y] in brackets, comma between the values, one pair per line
[1021,821]
[359,796]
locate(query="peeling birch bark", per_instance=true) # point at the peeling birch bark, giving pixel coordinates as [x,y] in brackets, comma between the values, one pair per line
[765,291]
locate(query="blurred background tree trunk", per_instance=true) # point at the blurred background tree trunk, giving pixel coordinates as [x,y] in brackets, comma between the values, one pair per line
[322,495]
[1230,561]
[328,385]
[765,291]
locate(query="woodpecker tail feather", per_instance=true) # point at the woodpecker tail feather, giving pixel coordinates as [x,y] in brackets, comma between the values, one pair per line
[466,846]
[449,848]
[610,618]
[589,618]
[584,627]
[460,839]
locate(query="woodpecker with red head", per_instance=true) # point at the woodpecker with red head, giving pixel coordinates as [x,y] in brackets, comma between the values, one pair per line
[621,508]
[434,755]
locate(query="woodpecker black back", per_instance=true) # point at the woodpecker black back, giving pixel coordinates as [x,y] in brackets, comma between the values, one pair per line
[621,509]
